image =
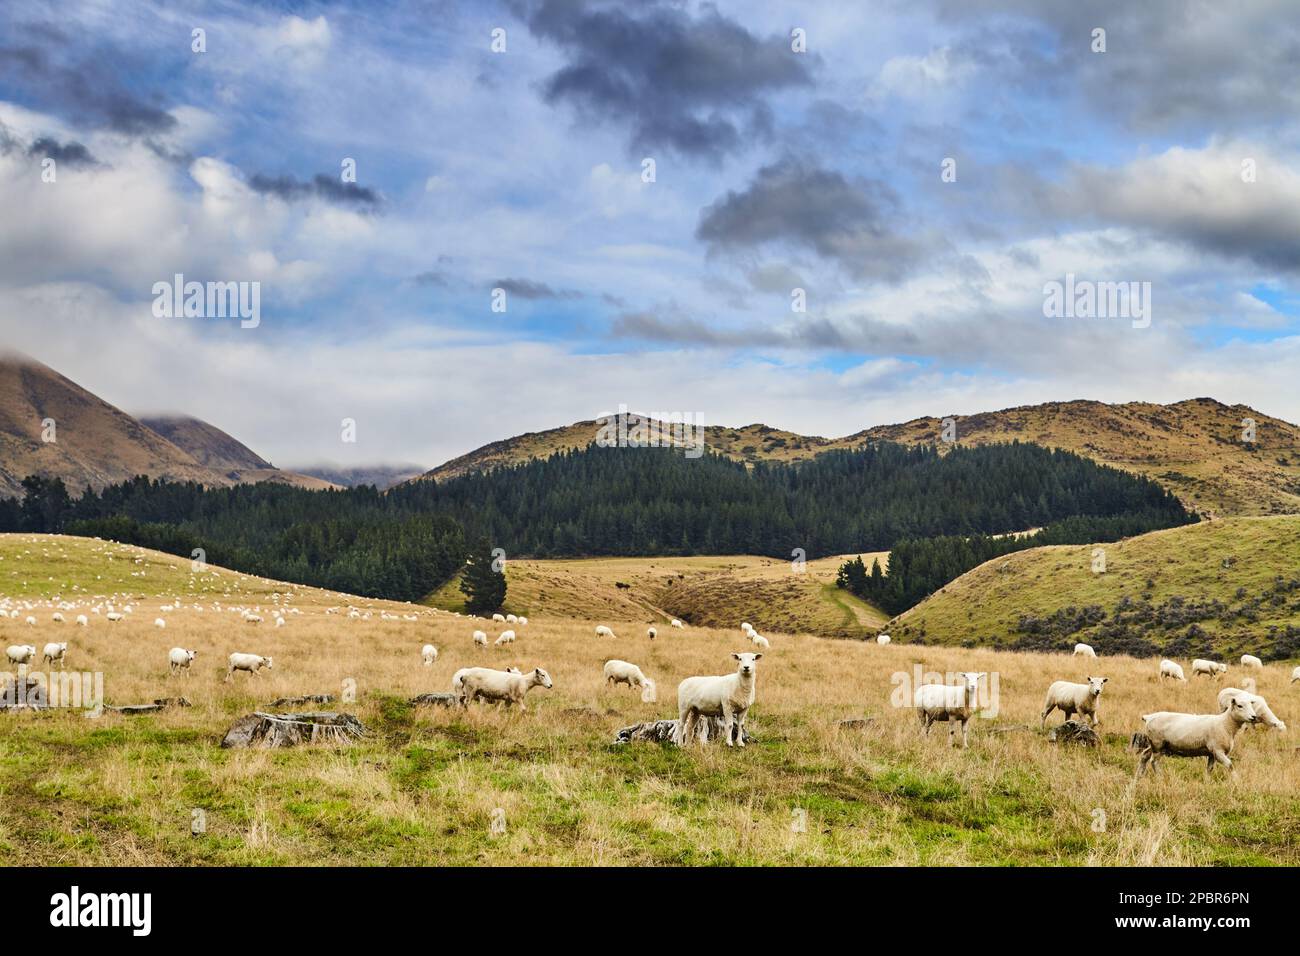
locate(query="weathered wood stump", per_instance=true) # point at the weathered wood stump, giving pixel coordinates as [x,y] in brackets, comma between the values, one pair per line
[160,703]
[663,731]
[290,730]
[1074,732]
[435,700]
[304,699]
[856,723]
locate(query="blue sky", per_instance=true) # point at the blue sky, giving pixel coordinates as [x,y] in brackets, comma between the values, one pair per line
[522,170]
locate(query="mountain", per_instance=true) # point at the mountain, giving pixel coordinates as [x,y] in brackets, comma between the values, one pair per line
[97,444]
[381,476]
[1193,447]
[94,443]
[1218,588]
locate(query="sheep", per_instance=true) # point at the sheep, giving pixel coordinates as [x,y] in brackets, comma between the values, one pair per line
[114,616]
[20,653]
[31,621]
[279,622]
[428,654]
[180,659]
[746,627]
[253,663]
[55,652]
[480,638]
[498,618]
[501,686]
[1169,669]
[1084,650]
[1071,699]
[1262,709]
[512,619]
[1250,660]
[882,639]
[622,672]
[1211,669]
[57,617]
[458,678]
[759,640]
[1295,675]
[253,618]
[728,696]
[955,705]
[651,632]
[676,623]
[506,637]
[1195,735]
[159,623]
[523,621]
[603,631]
[83,621]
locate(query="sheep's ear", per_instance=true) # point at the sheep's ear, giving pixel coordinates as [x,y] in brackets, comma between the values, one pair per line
[758,657]
[736,656]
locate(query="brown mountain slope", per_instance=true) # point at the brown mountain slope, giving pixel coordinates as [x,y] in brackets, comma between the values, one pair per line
[94,443]
[214,449]
[1193,447]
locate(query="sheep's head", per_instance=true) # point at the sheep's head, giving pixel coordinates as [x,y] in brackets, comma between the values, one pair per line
[1243,709]
[648,693]
[266,662]
[747,663]
[1095,684]
[542,678]
[971,681]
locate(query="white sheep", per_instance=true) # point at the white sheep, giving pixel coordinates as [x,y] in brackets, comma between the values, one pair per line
[746,627]
[1084,650]
[57,617]
[1169,669]
[954,704]
[623,672]
[253,663]
[759,640]
[501,686]
[506,637]
[1295,675]
[1071,699]
[728,696]
[114,616]
[180,659]
[1262,710]
[1250,660]
[499,618]
[55,652]
[882,639]
[480,638]
[428,654]
[603,631]
[83,621]
[20,653]
[523,621]
[1211,669]
[457,679]
[651,632]
[159,623]
[512,619]
[676,623]
[1195,735]
[31,621]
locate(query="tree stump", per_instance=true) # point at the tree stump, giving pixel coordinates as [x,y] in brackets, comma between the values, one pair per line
[304,699]
[436,700]
[160,703]
[664,731]
[1074,732]
[290,730]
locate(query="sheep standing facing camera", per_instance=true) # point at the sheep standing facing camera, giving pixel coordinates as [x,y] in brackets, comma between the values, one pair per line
[728,696]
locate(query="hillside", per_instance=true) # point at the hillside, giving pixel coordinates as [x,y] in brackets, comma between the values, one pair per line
[702,591]
[1193,447]
[1219,588]
[381,476]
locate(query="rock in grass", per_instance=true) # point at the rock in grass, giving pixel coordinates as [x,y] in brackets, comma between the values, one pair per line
[1074,732]
[160,703]
[289,730]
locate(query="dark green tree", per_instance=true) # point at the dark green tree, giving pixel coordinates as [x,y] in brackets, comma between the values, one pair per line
[483,585]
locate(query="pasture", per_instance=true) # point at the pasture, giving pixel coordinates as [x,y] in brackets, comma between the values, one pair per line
[501,787]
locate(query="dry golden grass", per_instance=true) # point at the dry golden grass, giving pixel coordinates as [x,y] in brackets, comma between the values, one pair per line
[425,787]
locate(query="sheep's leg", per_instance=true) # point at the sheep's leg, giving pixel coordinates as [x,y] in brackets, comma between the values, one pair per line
[728,722]
[740,727]
[965,734]
[1046,710]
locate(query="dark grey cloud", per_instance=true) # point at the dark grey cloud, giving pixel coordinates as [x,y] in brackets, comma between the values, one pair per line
[321,186]
[88,87]
[66,154]
[531,289]
[853,223]
[692,84]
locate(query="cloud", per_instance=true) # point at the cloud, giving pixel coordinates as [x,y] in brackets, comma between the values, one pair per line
[69,154]
[692,84]
[321,186]
[803,205]
[530,289]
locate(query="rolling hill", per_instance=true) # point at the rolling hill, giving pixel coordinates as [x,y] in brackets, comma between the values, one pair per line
[214,449]
[1219,588]
[1193,447]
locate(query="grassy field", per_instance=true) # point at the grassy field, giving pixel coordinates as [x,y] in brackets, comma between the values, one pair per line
[426,785]
[704,591]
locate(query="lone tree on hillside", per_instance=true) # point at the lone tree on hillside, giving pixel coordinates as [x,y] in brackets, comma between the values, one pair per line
[484,586]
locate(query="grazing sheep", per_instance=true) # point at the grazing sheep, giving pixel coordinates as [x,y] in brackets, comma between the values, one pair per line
[651,632]
[1295,675]
[1211,669]
[512,619]
[746,628]
[728,696]
[1262,710]
[57,617]
[954,704]
[1169,669]
[1194,735]
[253,618]
[882,638]
[759,640]
[159,623]
[82,620]
[1250,660]
[20,653]
[55,652]
[31,621]
[181,659]
[1071,699]
[428,654]
[499,618]
[1084,650]
[480,638]
[676,623]
[458,678]
[279,622]
[507,637]
[622,672]
[114,616]
[603,631]
[253,663]
[501,686]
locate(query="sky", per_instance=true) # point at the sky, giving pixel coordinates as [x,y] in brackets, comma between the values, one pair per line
[819,216]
